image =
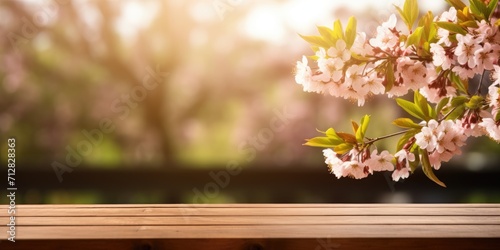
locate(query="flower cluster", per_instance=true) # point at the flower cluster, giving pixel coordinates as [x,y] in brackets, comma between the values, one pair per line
[442,140]
[435,61]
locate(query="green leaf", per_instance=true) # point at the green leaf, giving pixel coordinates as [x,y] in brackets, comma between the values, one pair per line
[406,123]
[327,35]
[355,126]
[475,102]
[389,76]
[323,142]
[497,116]
[405,138]
[492,5]
[459,100]
[459,84]
[432,33]
[441,104]
[349,138]
[316,41]
[422,104]
[410,108]
[403,15]
[452,27]
[427,168]
[414,164]
[342,148]
[411,11]
[350,32]
[458,4]
[338,32]
[360,133]
[331,133]
[470,24]
[457,113]
[432,113]
[415,37]
[477,7]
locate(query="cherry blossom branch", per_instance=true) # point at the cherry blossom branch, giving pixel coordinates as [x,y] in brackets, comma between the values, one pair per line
[387,136]
[447,114]
[478,90]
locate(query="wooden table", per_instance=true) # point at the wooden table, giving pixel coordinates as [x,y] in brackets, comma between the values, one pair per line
[255,226]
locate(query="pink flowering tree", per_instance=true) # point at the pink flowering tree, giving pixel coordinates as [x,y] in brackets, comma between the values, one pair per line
[433,58]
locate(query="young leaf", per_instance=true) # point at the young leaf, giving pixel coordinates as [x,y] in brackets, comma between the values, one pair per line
[323,142]
[421,103]
[452,27]
[355,126]
[427,168]
[338,32]
[316,40]
[414,164]
[457,113]
[430,30]
[478,8]
[410,108]
[410,9]
[432,112]
[458,4]
[327,34]
[350,32]
[459,84]
[415,37]
[475,102]
[402,15]
[349,138]
[441,104]
[342,148]
[331,133]
[469,24]
[389,76]
[491,7]
[406,123]
[459,100]
[405,138]
[360,133]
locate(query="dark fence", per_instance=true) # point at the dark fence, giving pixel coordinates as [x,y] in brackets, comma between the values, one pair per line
[294,184]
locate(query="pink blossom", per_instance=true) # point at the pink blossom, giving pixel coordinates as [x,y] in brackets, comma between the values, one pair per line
[465,49]
[439,57]
[339,51]
[485,58]
[492,128]
[380,162]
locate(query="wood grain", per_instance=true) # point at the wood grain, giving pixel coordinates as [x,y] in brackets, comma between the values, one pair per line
[256,226]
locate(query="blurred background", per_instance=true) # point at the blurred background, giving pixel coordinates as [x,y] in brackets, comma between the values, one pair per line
[165,101]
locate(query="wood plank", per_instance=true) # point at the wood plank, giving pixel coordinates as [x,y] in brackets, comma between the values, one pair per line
[288,244]
[258,221]
[251,205]
[247,244]
[256,231]
[265,211]
[255,220]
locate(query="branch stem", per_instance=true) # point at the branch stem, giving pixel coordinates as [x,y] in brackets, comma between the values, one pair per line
[387,136]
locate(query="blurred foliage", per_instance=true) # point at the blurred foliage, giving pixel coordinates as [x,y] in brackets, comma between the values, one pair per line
[67,66]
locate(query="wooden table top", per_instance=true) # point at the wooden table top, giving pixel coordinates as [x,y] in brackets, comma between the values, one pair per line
[256,221]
